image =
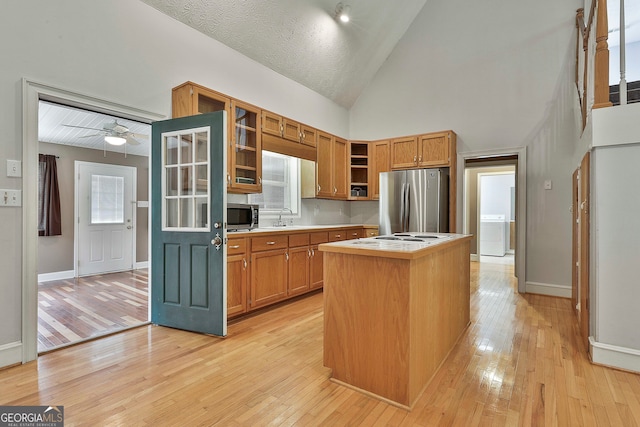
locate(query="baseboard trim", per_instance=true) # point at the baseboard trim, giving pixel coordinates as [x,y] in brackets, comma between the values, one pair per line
[475,258]
[614,356]
[56,275]
[141,265]
[548,289]
[10,354]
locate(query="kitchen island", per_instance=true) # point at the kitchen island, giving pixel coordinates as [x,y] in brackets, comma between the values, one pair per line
[393,310]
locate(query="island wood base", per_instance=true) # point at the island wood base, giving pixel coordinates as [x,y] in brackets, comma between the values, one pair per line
[389,323]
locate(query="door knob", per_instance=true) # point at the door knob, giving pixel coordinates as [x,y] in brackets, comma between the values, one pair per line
[129,227]
[217,241]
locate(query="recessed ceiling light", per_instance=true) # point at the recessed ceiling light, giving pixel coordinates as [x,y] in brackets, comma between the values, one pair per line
[343,12]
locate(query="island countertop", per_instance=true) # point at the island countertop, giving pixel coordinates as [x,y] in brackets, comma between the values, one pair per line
[393,310]
[398,249]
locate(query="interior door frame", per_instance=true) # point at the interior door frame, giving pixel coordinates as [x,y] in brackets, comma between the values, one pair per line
[32,93]
[76,212]
[521,201]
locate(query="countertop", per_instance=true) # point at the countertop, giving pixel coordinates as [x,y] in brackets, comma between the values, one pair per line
[371,246]
[295,229]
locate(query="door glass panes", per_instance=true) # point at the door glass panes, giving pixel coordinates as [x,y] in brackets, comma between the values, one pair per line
[107,199]
[185,186]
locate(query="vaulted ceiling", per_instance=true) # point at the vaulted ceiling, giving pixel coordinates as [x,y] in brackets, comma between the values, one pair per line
[301,39]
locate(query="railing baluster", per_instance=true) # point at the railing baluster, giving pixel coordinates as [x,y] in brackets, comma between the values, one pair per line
[623,48]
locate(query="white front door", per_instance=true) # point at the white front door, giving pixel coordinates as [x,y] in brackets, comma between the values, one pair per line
[105,218]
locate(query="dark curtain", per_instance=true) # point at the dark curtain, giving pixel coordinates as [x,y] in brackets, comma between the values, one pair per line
[49,220]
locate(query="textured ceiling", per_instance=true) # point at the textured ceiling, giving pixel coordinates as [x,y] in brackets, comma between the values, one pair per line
[301,40]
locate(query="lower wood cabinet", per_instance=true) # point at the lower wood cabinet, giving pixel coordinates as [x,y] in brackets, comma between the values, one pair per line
[316,273]
[268,277]
[298,280]
[298,259]
[237,273]
[269,268]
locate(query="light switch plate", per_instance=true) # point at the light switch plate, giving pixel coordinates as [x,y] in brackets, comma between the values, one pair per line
[10,198]
[14,168]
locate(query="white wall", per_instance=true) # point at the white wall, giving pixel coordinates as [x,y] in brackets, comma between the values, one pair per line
[500,74]
[615,247]
[495,193]
[126,52]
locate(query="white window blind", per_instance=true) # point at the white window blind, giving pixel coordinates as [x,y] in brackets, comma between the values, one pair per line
[280,184]
[107,199]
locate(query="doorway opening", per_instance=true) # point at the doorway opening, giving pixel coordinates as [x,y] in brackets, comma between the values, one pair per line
[499,228]
[50,260]
[490,200]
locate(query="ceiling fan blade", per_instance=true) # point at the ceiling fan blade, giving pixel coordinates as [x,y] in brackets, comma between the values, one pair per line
[131,140]
[81,127]
[139,135]
[90,136]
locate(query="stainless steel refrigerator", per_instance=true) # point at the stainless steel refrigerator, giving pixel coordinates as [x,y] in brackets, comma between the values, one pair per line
[415,200]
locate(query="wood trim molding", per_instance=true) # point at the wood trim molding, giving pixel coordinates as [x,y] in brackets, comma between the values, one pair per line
[601,66]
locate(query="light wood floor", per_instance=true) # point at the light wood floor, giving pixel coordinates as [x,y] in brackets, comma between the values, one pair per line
[519,363]
[78,309]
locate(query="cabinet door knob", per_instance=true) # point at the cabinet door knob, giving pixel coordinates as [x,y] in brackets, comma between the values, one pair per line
[286,255]
[319,188]
[308,253]
[244,263]
[271,243]
[415,159]
[234,247]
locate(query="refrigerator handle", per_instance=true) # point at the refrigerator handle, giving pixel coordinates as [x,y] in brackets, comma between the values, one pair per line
[407,208]
[402,208]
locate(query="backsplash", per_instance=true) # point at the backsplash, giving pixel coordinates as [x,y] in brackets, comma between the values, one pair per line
[325,212]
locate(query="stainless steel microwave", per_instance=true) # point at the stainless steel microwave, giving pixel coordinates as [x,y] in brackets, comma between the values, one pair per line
[242,216]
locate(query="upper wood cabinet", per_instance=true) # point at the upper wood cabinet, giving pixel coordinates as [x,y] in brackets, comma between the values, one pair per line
[331,167]
[380,160]
[272,124]
[309,135]
[190,99]
[245,149]
[244,153]
[428,150]
[359,170]
[286,136]
[404,152]
[435,149]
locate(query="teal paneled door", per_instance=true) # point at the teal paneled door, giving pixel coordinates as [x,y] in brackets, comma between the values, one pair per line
[188,210]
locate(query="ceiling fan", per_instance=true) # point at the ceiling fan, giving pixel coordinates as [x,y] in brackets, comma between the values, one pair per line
[114,133]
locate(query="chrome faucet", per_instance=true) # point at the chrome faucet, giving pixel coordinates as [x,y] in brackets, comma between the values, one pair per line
[280,223]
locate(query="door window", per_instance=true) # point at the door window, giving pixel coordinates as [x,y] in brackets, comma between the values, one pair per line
[107,199]
[185,182]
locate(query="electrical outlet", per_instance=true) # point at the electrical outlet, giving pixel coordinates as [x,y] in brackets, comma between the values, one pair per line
[14,168]
[547,184]
[10,198]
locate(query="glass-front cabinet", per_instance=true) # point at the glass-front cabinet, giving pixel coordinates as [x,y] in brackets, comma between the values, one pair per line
[245,150]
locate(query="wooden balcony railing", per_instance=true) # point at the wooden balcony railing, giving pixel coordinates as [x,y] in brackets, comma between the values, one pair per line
[592,61]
